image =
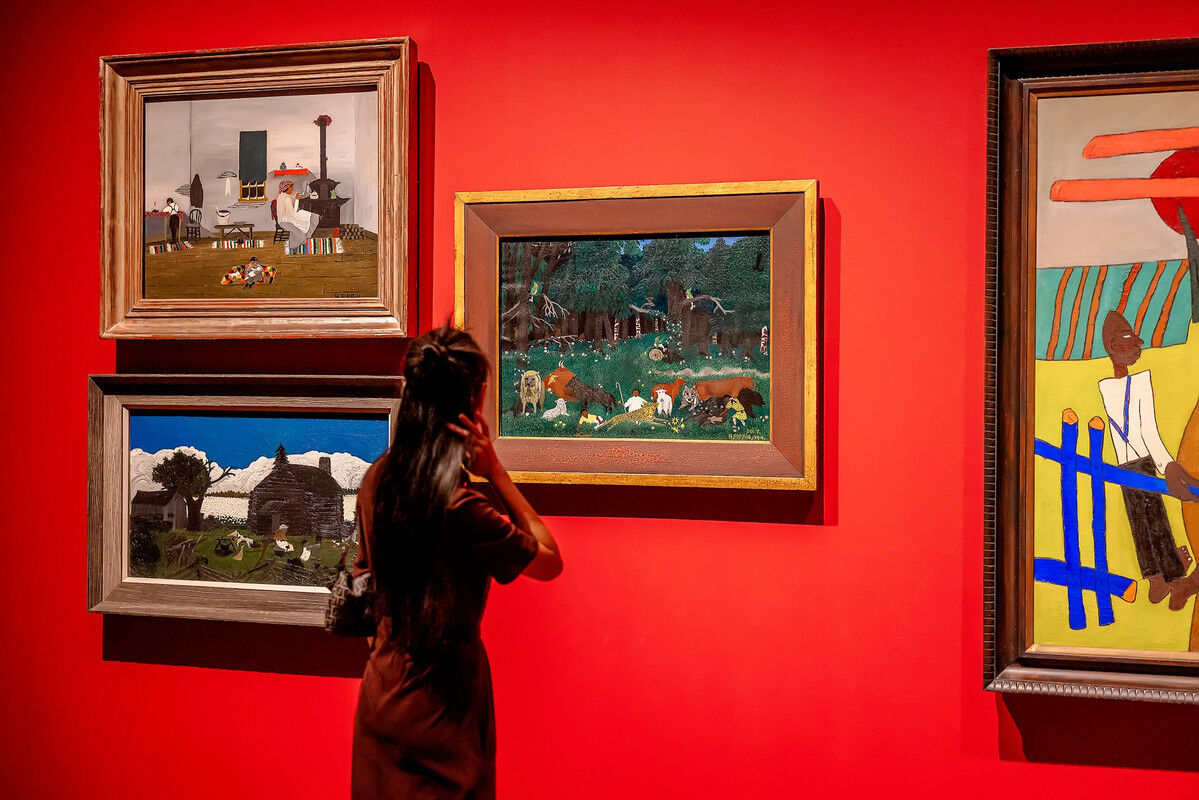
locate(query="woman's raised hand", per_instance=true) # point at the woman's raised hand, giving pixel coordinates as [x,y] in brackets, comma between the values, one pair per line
[481,460]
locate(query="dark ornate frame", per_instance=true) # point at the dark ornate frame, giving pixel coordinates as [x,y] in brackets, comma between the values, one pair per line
[1012,661]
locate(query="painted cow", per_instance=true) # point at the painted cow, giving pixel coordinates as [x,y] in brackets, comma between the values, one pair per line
[730,386]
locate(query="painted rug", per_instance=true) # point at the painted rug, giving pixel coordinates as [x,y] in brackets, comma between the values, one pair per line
[166,248]
[325,246]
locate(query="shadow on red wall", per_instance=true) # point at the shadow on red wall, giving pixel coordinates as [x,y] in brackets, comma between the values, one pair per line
[232,645]
[1111,733]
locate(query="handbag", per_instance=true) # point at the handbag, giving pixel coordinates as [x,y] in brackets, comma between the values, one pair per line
[351,609]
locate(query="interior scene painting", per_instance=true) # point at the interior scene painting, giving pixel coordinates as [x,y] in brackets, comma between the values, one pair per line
[267,499]
[262,197]
[1116,517]
[663,337]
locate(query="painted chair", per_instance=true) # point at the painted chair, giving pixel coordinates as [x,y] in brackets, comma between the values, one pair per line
[192,229]
[280,234]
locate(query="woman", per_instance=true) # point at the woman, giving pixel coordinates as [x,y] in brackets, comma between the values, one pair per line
[424,726]
[299,224]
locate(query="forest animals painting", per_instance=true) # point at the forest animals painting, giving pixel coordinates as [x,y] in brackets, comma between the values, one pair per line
[638,316]
[639,343]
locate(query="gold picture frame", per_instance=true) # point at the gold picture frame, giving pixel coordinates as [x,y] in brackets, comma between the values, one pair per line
[786,210]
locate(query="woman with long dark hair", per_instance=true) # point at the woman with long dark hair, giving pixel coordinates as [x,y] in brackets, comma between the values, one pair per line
[424,725]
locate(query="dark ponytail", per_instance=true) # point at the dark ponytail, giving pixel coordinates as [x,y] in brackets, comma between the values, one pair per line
[444,372]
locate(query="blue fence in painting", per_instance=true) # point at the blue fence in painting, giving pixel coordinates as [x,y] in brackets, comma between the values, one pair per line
[1070,572]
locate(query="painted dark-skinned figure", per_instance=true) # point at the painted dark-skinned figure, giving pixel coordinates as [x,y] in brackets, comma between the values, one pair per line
[1128,400]
[173,215]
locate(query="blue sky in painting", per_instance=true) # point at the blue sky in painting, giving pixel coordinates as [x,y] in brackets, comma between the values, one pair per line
[236,440]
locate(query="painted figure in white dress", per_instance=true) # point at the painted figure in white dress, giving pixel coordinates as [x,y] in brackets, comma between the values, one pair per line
[300,224]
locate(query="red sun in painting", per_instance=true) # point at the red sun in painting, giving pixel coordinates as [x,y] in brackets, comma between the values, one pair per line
[1174,184]
[1182,164]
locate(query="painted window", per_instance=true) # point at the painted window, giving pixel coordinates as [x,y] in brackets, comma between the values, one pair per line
[252,165]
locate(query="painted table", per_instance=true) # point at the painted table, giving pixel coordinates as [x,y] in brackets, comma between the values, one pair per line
[245,229]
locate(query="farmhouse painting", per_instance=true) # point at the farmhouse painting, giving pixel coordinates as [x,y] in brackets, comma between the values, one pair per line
[246,498]
[1116,372]
[262,197]
[649,338]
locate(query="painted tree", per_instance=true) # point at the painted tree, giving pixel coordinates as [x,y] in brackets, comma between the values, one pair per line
[675,267]
[594,283]
[191,477]
[746,293]
[526,268]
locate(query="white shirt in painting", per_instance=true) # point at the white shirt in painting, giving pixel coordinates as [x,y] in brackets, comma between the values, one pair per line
[288,211]
[1143,438]
[171,207]
[633,403]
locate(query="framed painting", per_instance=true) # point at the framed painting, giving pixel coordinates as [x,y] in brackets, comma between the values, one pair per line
[653,335]
[266,191]
[1092,515]
[227,497]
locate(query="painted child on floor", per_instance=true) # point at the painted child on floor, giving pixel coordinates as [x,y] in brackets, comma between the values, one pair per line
[1128,399]
[253,273]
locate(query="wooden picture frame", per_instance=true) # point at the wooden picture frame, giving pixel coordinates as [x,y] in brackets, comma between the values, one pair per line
[112,398]
[127,83]
[785,210]
[1020,656]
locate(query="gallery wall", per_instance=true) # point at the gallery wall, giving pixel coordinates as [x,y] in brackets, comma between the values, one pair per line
[699,644]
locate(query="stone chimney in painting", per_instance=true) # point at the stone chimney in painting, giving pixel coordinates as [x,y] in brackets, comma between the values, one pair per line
[326,464]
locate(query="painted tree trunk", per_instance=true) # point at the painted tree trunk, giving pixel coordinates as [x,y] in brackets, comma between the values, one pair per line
[1193,266]
[523,321]
[193,512]
[701,331]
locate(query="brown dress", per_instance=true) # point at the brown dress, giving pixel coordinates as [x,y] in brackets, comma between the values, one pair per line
[407,743]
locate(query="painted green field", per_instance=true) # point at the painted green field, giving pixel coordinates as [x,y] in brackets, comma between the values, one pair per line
[251,568]
[619,371]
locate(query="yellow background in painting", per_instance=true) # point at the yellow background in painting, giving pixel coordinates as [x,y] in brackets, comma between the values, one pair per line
[1140,625]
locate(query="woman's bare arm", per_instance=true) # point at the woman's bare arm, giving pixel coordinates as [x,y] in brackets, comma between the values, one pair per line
[547,563]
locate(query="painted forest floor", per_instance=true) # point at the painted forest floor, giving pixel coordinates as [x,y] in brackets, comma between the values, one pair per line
[621,370]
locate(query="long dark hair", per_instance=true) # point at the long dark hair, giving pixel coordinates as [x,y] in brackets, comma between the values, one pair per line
[444,373]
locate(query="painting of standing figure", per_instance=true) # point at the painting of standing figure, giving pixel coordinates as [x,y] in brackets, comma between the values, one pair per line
[255,498]
[653,337]
[265,196]
[1116,506]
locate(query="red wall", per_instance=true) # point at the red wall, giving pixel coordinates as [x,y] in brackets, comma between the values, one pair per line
[677,656]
